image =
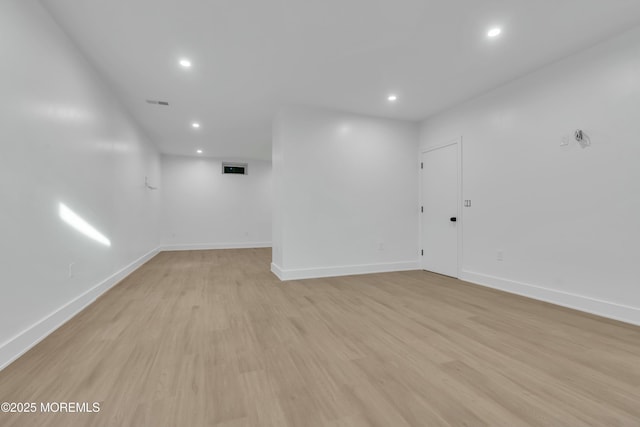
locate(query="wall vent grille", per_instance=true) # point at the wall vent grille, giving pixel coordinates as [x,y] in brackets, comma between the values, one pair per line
[233,168]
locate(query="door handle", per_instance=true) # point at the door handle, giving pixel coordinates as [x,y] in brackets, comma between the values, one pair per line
[453,219]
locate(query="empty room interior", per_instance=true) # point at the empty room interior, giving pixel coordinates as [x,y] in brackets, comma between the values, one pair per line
[320,213]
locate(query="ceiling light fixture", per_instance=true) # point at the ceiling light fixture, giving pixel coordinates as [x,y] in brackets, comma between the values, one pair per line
[185,63]
[195,125]
[494,32]
[392,98]
[199,151]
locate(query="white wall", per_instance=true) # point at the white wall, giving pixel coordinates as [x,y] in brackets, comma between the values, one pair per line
[347,189]
[277,163]
[567,218]
[202,208]
[64,139]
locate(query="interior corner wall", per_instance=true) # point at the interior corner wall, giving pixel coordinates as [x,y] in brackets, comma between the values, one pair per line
[202,208]
[278,193]
[65,140]
[346,194]
[564,217]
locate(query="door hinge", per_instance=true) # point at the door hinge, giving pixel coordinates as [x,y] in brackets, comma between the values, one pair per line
[422,252]
[421,165]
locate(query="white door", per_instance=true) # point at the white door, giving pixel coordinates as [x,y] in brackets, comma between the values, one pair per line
[439,215]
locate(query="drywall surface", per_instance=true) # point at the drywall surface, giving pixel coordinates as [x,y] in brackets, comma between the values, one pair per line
[278,192]
[205,209]
[565,217]
[75,213]
[347,193]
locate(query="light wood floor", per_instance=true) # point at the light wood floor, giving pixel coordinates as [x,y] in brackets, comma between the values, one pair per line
[211,338]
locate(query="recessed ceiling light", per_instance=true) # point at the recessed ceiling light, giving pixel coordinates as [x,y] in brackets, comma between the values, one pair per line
[392,98]
[199,151]
[185,63]
[494,32]
[195,125]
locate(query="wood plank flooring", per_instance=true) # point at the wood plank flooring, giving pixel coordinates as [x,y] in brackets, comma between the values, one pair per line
[212,338]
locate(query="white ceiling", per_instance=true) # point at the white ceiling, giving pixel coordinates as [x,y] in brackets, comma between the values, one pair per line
[252,56]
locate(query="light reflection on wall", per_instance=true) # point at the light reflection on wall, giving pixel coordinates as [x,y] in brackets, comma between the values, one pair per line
[113,146]
[64,113]
[77,222]
[344,129]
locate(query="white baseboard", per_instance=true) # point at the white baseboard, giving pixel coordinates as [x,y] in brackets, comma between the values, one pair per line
[208,246]
[21,343]
[346,270]
[598,307]
[277,271]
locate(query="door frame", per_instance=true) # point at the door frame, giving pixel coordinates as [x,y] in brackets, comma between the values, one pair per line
[460,219]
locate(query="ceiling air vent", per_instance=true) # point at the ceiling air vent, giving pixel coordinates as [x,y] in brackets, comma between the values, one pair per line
[235,168]
[154,102]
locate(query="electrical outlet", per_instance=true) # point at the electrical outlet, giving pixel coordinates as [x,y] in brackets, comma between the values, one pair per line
[500,255]
[246,234]
[381,246]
